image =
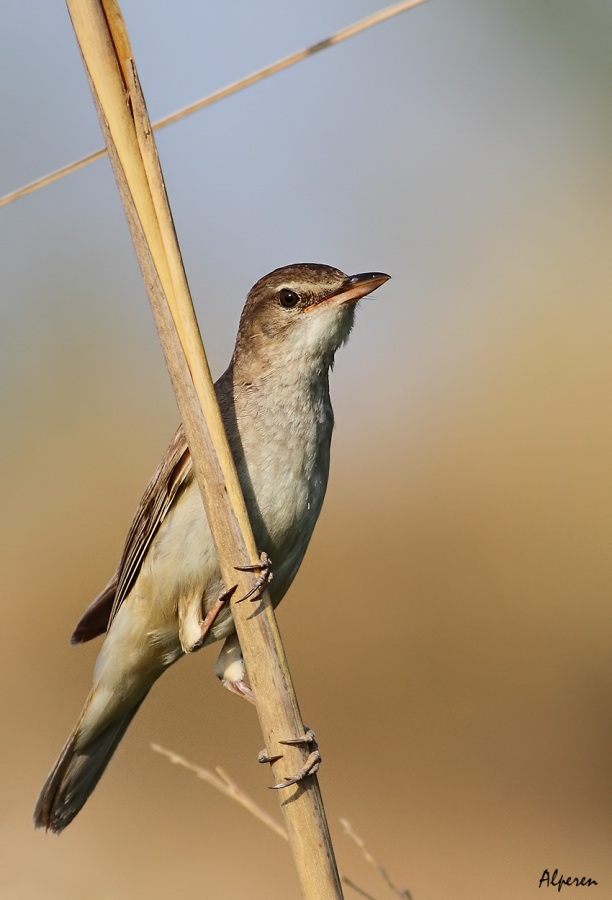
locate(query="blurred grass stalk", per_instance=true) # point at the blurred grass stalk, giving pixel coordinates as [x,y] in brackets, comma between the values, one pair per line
[221,781]
[107,55]
[350,31]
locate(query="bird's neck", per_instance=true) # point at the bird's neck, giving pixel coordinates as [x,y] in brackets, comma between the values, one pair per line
[278,395]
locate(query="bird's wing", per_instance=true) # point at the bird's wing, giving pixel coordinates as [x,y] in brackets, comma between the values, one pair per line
[94,620]
[173,474]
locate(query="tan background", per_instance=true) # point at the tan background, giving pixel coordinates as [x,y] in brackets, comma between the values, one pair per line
[449,634]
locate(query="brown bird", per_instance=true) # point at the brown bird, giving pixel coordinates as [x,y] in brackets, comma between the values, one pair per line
[274,400]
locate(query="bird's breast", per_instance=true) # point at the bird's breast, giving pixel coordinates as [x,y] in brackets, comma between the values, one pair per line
[282,453]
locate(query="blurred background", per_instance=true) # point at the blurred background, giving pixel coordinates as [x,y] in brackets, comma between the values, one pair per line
[449,633]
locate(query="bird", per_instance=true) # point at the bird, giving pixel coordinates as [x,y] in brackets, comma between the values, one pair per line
[276,409]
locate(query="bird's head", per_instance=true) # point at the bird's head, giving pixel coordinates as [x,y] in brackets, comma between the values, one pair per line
[301,314]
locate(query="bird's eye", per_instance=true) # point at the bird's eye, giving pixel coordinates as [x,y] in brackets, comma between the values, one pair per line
[288,298]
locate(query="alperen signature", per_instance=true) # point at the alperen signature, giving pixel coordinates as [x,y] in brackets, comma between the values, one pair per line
[559,881]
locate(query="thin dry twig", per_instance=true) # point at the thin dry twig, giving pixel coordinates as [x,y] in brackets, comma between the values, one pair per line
[404,893]
[347,881]
[222,782]
[254,78]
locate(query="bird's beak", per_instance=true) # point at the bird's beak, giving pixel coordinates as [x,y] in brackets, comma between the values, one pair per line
[354,288]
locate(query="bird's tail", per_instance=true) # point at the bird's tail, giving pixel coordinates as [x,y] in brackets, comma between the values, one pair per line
[78,769]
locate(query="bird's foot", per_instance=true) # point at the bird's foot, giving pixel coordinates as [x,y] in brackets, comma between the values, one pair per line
[310,766]
[240,688]
[264,567]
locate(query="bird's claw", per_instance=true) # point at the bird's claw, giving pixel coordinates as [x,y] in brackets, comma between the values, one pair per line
[310,766]
[264,567]
[307,738]
[264,758]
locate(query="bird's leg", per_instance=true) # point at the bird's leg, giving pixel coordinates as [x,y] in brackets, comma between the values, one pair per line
[310,766]
[194,627]
[263,579]
[230,669]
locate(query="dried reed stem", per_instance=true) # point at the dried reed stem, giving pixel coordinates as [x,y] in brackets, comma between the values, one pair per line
[106,51]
